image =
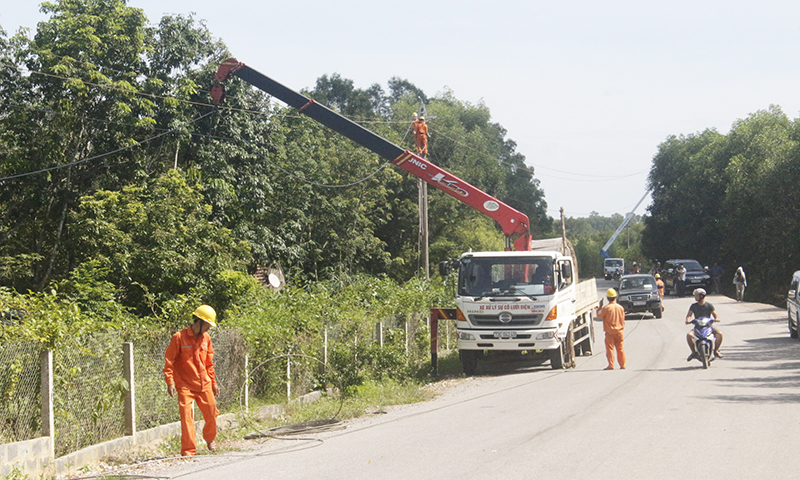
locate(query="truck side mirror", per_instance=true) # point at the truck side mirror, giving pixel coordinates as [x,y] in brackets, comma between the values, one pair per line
[444,268]
[792,294]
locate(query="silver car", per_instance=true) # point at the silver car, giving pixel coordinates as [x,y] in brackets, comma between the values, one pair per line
[793,305]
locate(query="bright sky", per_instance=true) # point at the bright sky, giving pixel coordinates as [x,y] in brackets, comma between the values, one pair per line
[587,89]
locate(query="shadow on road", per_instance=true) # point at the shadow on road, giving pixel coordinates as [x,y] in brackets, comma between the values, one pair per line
[765,357]
[762,399]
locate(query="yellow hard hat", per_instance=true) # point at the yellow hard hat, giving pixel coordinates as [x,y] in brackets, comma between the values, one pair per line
[611,293]
[206,314]
[658,276]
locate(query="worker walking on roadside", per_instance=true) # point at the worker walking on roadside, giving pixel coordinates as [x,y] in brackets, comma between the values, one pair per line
[613,316]
[189,372]
[420,129]
[660,285]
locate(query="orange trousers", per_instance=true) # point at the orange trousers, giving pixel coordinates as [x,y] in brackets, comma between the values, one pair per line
[208,406]
[614,340]
[422,144]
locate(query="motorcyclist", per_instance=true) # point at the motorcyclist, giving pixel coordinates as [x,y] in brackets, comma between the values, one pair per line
[702,309]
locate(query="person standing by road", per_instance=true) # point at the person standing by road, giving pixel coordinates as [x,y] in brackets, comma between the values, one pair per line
[739,281]
[681,271]
[716,272]
[420,129]
[613,316]
[189,372]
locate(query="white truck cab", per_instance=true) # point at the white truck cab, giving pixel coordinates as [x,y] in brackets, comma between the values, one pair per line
[613,268]
[521,301]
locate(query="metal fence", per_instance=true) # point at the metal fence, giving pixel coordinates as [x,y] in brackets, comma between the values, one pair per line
[89,387]
[20,382]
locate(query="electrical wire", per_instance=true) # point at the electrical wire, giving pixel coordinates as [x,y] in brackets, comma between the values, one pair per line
[591,178]
[95,157]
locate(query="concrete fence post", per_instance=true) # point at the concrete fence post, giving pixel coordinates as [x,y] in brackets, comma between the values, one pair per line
[288,377]
[130,397]
[48,417]
[246,383]
[379,333]
[325,349]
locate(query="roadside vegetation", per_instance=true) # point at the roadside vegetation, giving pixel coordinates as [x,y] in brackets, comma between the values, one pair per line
[731,199]
[127,199]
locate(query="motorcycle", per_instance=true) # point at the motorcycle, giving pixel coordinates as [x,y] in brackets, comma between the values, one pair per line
[704,340]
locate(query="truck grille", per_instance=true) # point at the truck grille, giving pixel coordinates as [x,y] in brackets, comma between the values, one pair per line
[517,321]
[637,298]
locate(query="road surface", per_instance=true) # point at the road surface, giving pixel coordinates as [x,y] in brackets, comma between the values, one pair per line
[662,418]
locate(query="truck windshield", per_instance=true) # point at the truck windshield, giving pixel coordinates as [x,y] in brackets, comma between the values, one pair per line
[613,263]
[487,276]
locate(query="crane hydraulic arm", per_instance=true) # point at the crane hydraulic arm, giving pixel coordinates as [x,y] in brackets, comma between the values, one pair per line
[515,224]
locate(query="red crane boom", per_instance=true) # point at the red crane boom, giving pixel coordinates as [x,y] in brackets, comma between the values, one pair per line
[515,224]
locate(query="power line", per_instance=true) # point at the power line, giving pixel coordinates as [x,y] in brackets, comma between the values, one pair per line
[83,160]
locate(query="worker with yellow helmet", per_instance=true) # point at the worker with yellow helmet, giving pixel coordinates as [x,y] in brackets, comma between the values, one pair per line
[189,372]
[420,130]
[613,316]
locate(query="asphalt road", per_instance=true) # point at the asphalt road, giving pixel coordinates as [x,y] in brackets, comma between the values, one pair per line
[662,418]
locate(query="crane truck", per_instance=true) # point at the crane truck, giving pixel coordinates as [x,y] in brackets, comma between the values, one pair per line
[524,299]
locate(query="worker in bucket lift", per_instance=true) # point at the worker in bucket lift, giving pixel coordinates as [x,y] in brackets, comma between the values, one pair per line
[189,372]
[420,129]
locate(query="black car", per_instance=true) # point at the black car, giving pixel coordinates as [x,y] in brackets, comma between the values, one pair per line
[639,293]
[696,276]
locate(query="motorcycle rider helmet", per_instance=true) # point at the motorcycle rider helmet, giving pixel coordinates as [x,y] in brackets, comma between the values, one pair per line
[699,291]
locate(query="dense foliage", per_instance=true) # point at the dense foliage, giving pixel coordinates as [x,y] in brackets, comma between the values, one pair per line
[116,167]
[730,199]
[126,198]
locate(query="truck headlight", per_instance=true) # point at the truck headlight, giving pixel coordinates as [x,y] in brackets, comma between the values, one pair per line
[546,335]
[465,336]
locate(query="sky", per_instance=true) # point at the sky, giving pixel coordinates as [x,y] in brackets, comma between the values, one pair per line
[587,89]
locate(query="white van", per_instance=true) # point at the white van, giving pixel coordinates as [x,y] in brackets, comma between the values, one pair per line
[613,268]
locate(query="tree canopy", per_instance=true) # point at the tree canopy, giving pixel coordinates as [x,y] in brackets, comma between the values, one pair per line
[730,199]
[115,167]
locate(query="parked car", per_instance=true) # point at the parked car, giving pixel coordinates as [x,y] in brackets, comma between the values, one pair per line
[696,276]
[639,293]
[793,305]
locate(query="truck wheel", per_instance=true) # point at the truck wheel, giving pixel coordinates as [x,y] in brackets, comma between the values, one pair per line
[792,330]
[469,361]
[556,358]
[657,313]
[564,355]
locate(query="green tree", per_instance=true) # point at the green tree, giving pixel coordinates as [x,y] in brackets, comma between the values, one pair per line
[155,243]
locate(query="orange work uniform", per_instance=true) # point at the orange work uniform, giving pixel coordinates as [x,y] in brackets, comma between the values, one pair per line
[420,136]
[189,365]
[613,316]
[660,285]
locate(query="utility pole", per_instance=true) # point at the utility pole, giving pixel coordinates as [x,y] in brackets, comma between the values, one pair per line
[423,228]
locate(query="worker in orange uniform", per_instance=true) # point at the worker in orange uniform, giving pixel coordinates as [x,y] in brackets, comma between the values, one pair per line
[613,316]
[660,285]
[189,372]
[420,129]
